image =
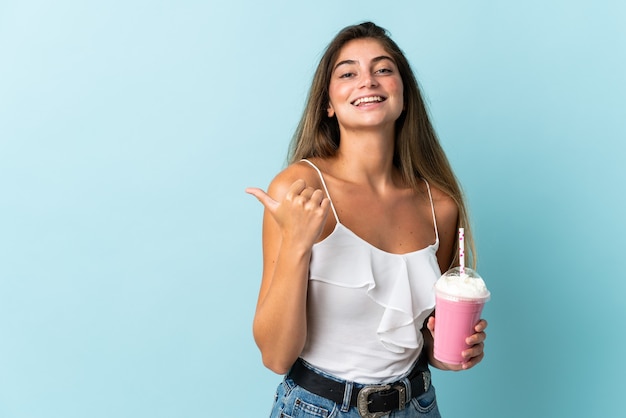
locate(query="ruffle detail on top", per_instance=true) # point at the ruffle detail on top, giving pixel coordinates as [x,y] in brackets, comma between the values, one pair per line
[402,284]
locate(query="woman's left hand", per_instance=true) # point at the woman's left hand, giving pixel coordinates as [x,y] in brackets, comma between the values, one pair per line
[473,355]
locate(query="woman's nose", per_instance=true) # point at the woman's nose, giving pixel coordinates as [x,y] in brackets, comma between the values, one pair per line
[368,80]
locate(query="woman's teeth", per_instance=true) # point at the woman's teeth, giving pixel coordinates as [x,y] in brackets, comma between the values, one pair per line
[367,100]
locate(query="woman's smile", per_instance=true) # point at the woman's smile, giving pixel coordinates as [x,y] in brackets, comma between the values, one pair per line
[368,100]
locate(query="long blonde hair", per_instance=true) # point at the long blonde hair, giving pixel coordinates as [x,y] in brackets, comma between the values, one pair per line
[417,152]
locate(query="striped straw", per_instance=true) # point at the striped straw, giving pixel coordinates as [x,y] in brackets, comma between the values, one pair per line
[462,250]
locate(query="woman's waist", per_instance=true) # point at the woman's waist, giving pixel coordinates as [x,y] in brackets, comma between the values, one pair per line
[360,361]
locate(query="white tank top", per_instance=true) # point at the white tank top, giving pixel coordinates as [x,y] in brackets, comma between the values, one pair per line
[365,306]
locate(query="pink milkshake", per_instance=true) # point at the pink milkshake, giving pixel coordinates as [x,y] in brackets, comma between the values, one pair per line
[460,295]
[459,303]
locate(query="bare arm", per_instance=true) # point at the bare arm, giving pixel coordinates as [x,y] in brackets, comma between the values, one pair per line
[293,221]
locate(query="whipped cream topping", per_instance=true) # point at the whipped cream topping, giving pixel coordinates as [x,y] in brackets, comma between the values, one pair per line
[463,286]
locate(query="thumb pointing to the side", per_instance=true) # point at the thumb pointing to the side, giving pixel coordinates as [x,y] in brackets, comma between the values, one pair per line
[269,203]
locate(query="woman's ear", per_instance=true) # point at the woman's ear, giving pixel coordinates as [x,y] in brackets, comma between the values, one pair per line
[330,110]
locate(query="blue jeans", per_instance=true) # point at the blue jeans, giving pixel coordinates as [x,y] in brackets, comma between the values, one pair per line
[292,401]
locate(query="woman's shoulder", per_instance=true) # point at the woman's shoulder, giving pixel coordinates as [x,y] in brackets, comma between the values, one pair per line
[299,170]
[445,205]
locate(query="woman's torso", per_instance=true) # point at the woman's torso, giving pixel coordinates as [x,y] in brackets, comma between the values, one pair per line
[366,305]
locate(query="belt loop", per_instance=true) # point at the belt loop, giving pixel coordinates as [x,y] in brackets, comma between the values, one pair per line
[426,377]
[407,385]
[347,397]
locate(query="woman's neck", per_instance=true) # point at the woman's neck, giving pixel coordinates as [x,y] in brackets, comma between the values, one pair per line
[367,158]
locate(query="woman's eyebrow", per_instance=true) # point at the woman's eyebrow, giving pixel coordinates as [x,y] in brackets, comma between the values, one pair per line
[383,57]
[374,60]
[344,62]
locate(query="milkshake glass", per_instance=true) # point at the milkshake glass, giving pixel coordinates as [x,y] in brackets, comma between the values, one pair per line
[460,295]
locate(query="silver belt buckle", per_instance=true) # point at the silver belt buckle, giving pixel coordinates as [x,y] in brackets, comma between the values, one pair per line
[362,402]
[402,393]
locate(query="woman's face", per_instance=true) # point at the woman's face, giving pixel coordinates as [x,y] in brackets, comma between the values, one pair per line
[365,89]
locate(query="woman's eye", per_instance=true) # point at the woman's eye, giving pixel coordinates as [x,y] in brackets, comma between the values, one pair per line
[384,70]
[346,75]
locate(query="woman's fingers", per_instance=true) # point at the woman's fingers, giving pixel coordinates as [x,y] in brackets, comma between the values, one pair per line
[298,195]
[264,198]
[480,335]
[472,359]
[272,205]
[317,197]
[303,195]
[476,352]
[477,338]
[430,324]
[481,326]
[295,189]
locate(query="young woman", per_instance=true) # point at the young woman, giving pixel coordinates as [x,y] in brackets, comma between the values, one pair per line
[356,231]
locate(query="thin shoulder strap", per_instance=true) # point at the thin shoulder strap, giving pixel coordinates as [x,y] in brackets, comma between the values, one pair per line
[325,188]
[432,208]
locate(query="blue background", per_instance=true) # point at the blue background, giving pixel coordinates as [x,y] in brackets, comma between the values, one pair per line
[130,257]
